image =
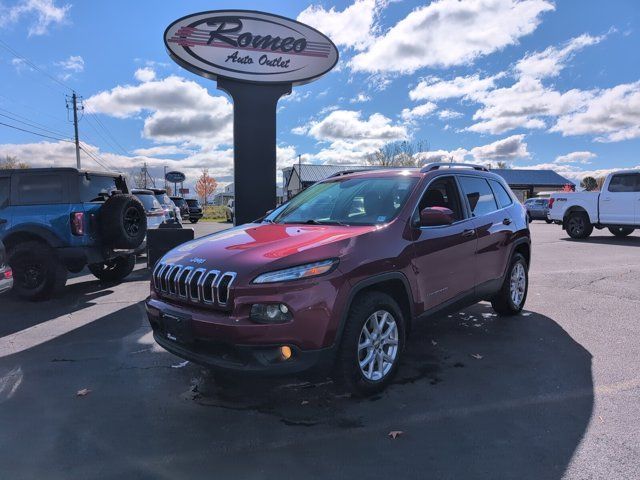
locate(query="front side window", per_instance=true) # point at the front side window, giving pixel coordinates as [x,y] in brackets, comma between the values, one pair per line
[479,195]
[4,192]
[627,182]
[351,201]
[443,192]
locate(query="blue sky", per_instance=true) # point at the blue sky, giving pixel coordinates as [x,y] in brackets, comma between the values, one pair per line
[534,83]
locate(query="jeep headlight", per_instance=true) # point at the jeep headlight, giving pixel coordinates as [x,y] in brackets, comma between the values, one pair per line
[294,273]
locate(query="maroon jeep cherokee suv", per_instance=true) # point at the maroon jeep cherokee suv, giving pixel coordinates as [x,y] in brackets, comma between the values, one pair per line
[336,276]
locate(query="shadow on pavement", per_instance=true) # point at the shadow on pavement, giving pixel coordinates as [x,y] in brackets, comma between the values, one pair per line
[630,241]
[477,397]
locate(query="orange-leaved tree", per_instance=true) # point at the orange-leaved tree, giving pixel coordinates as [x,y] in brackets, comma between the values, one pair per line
[205,186]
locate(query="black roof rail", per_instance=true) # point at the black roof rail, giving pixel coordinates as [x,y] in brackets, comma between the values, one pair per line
[349,172]
[436,166]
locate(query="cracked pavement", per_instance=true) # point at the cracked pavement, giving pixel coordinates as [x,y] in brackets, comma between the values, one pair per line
[553,393]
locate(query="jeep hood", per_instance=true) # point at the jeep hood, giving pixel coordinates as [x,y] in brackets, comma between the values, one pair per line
[247,249]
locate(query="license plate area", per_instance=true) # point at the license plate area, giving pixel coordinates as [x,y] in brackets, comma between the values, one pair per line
[177,327]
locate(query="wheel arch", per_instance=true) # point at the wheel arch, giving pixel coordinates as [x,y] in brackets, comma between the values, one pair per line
[571,210]
[394,284]
[30,233]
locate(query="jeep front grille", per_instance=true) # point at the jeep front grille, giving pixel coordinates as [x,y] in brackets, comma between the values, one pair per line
[195,285]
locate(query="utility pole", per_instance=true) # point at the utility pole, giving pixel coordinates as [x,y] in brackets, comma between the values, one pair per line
[74,106]
[165,178]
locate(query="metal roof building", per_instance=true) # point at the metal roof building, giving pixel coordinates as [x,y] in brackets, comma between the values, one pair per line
[524,183]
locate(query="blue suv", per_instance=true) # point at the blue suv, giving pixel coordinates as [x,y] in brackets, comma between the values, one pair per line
[59,220]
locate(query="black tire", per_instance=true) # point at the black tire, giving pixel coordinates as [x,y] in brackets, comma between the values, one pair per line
[114,270]
[194,220]
[548,221]
[503,303]
[579,226]
[348,371]
[123,222]
[621,232]
[37,271]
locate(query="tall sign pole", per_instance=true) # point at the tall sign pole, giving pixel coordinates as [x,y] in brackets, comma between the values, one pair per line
[256,58]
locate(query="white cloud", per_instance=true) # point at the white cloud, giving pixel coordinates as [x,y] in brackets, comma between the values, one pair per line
[551,61]
[576,157]
[75,63]
[507,149]
[434,88]
[146,74]
[574,172]
[612,114]
[448,114]
[446,33]
[352,27]
[161,150]
[360,98]
[43,14]
[410,114]
[180,110]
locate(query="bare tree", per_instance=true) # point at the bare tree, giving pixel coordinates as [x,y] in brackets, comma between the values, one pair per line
[397,154]
[589,183]
[10,162]
[502,165]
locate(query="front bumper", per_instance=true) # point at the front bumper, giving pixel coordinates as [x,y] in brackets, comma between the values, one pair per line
[178,332]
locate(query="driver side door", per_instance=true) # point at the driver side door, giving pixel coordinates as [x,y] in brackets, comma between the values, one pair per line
[444,256]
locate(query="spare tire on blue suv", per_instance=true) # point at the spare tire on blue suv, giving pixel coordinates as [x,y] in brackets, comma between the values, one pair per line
[123,222]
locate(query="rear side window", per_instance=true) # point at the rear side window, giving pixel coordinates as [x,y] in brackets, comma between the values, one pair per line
[40,189]
[192,203]
[503,197]
[628,182]
[4,192]
[96,188]
[479,195]
[149,201]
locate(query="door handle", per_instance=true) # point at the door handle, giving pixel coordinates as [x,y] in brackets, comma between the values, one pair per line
[469,233]
[506,221]
[606,199]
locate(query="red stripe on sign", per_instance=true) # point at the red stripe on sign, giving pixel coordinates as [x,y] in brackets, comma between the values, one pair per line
[192,43]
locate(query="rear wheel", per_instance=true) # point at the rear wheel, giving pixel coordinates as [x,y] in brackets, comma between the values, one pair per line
[194,220]
[548,221]
[621,231]
[113,270]
[513,294]
[37,271]
[372,344]
[579,226]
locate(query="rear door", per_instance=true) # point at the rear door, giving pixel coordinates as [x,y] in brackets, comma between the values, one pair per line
[494,227]
[444,255]
[618,202]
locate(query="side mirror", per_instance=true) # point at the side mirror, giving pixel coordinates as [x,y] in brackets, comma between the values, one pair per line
[435,217]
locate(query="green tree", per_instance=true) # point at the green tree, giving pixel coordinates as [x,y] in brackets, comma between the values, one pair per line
[589,184]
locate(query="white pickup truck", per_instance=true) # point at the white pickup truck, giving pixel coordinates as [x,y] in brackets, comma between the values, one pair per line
[616,207]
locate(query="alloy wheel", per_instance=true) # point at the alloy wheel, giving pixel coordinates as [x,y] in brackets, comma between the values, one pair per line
[518,284]
[378,346]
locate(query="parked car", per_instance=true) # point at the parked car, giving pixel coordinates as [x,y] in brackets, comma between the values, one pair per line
[6,275]
[538,208]
[171,211]
[195,210]
[154,211]
[55,220]
[616,207]
[340,288]
[183,208]
[230,210]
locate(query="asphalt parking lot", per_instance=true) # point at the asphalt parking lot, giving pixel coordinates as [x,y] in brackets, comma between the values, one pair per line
[553,393]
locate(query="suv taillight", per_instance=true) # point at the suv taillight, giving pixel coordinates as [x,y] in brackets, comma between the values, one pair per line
[77,223]
[551,200]
[8,274]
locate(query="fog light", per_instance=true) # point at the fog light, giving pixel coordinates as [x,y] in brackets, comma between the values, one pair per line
[270,313]
[286,352]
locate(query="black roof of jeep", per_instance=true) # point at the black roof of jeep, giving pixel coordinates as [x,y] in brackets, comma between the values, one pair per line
[59,170]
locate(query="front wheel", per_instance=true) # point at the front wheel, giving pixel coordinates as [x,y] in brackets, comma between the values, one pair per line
[510,300]
[372,344]
[621,231]
[113,270]
[38,273]
[579,226]
[548,221]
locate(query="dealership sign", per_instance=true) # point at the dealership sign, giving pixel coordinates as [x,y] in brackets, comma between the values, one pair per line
[250,46]
[175,177]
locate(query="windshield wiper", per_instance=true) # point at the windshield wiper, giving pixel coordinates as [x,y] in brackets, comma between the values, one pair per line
[328,222]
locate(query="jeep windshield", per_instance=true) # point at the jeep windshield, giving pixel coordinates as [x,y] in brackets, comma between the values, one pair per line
[350,201]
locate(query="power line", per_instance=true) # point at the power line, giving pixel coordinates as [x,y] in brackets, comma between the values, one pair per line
[29,124]
[90,155]
[36,133]
[106,130]
[32,65]
[84,147]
